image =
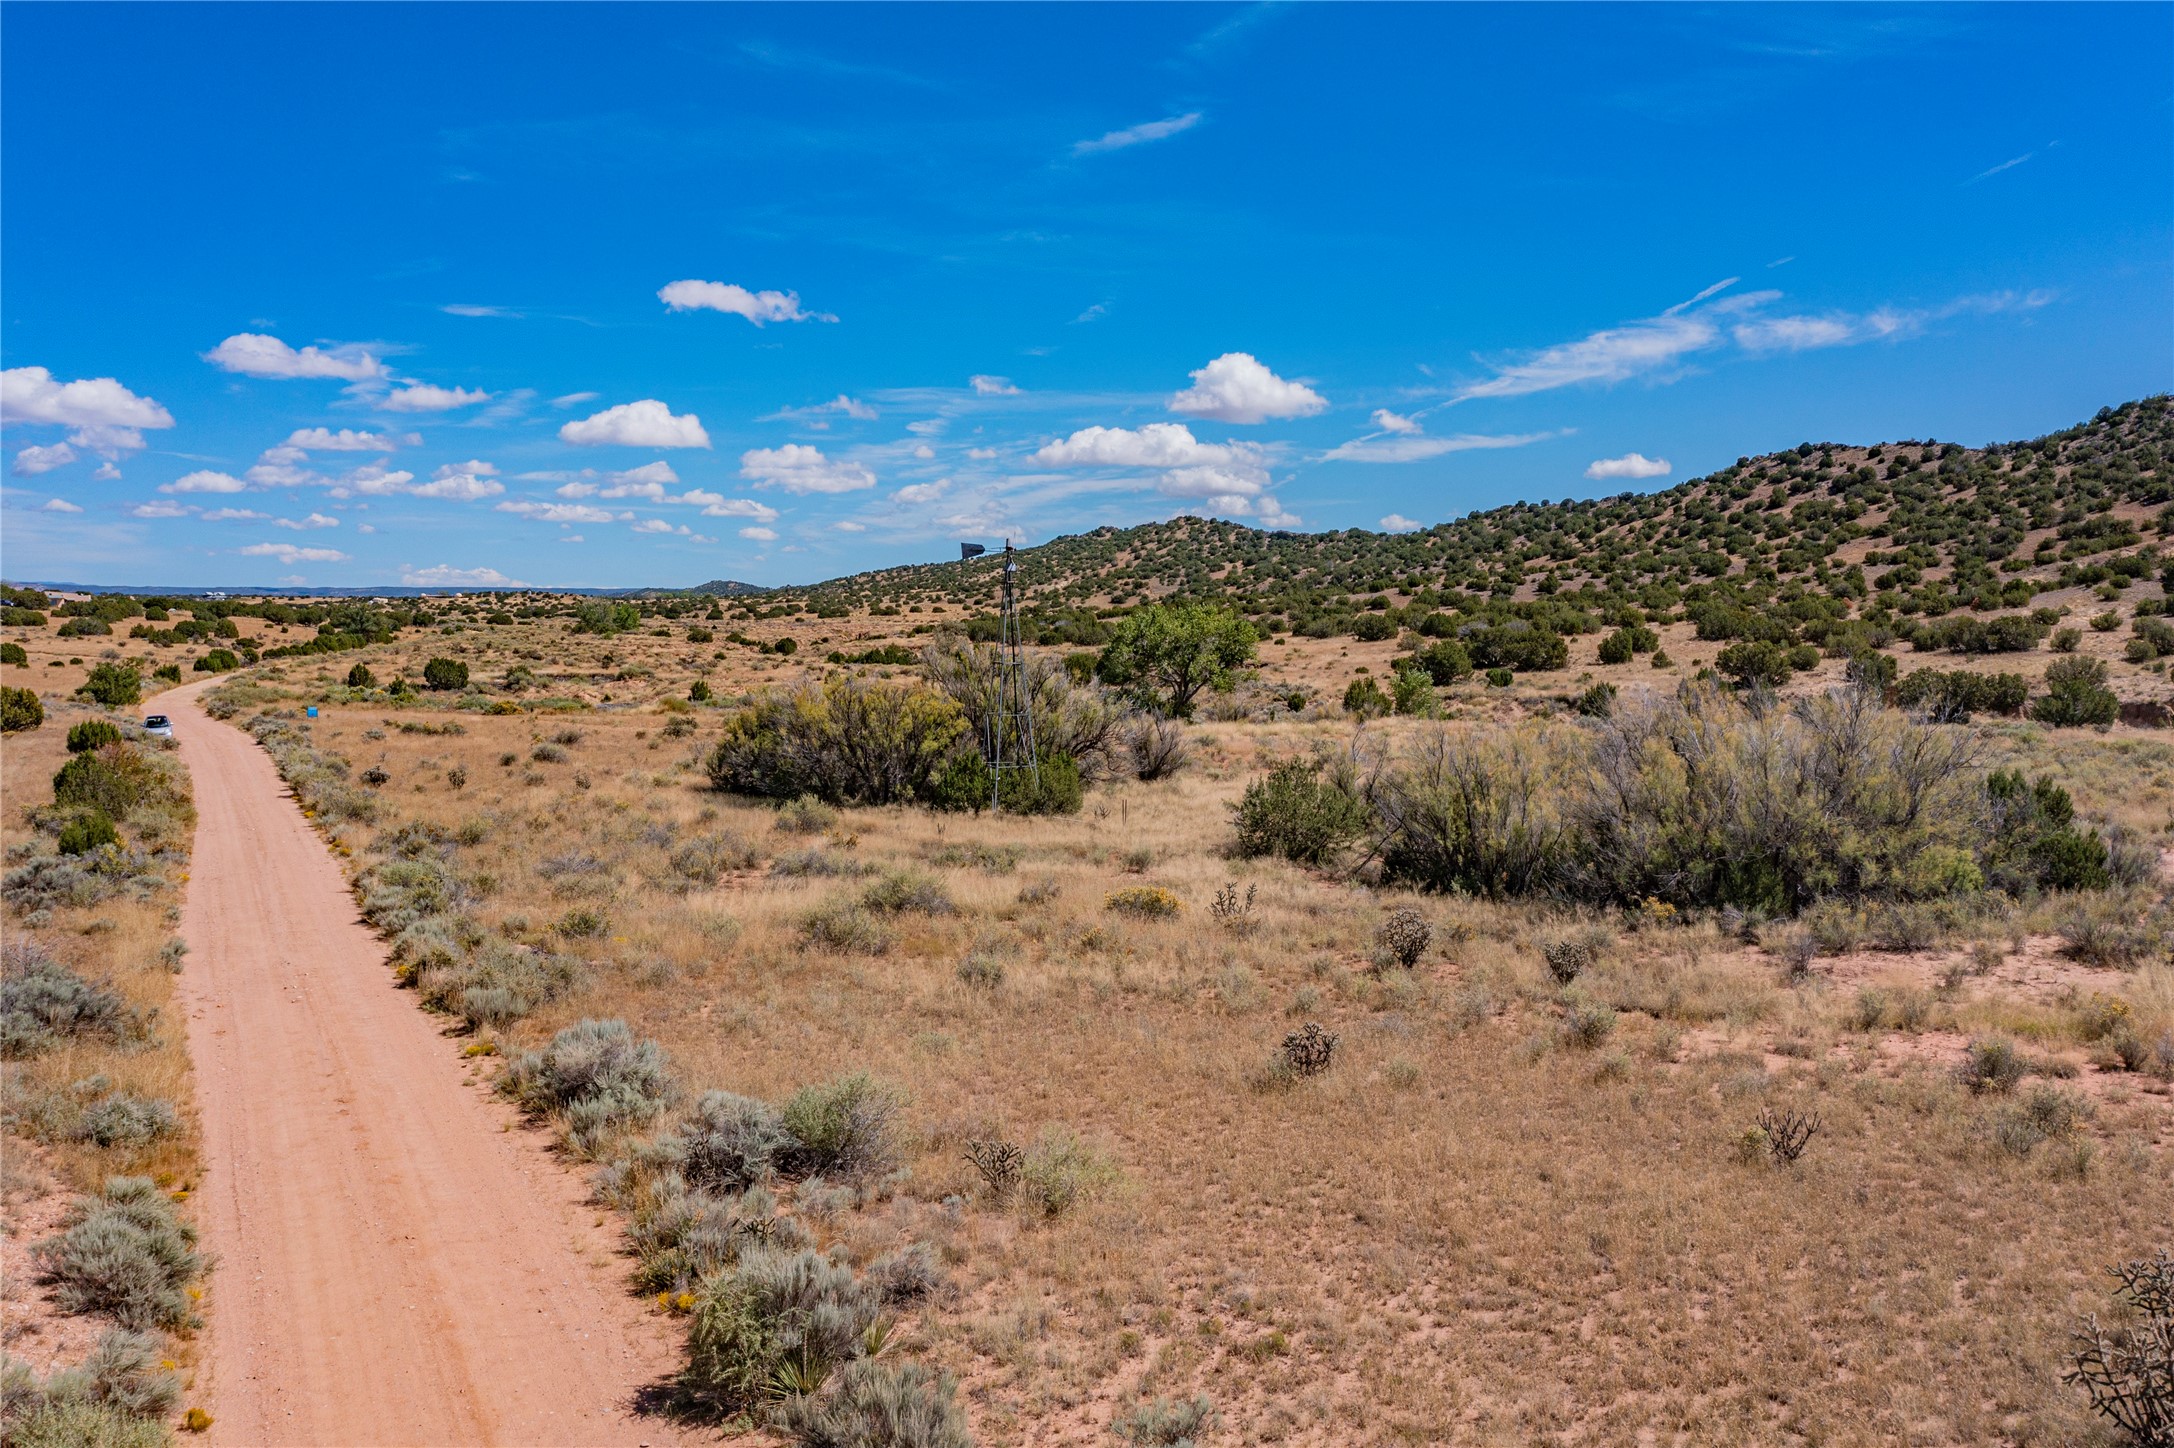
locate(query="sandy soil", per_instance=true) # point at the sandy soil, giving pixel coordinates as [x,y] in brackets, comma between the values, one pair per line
[398,1263]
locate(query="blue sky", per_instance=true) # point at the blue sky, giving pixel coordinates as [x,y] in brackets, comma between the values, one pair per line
[638,295]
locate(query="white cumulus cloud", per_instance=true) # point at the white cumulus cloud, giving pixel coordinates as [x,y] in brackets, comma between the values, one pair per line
[560,512]
[461,482]
[798,468]
[1226,476]
[1630,465]
[290,555]
[760,535]
[32,461]
[255,355]
[30,394]
[424,397]
[648,423]
[445,575]
[347,439]
[716,505]
[737,301]
[986,386]
[1136,135]
[160,508]
[1389,421]
[205,481]
[60,505]
[1398,523]
[1235,387]
[303,525]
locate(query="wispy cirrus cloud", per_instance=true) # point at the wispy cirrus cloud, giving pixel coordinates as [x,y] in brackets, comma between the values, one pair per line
[1411,448]
[1661,348]
[1139,135]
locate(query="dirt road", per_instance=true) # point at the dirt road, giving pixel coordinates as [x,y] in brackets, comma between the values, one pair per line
[396,1265]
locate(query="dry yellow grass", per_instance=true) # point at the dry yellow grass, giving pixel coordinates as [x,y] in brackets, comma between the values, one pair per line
[1469,1230]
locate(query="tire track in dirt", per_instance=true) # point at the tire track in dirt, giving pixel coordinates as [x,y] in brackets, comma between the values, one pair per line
[396,1266]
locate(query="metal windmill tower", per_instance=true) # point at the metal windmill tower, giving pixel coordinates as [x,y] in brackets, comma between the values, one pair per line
[1011,724]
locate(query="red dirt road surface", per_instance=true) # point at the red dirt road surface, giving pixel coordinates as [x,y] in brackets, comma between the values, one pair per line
[395,1266]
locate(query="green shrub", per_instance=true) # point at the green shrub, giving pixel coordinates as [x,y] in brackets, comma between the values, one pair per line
[1413,694]
[1951,698]
[496,985]
[14,653]
[360,677]
[846,1127]
[87,832]
[20,709]
[125,1254]
[92,734]
[445,675]
[114,685]
[83,628]
[845,740]
[2076,695]
[1303,810]
[1754,664]
[1500,678]
[880,1405]
[112,781]
[1364,698]
[1517,646]
[1445,662]
[1165,654]
[218,661]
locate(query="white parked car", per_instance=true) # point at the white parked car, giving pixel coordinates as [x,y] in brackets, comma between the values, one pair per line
[158,724]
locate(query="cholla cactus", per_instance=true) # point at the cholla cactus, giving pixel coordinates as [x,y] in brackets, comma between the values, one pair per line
[1405,935]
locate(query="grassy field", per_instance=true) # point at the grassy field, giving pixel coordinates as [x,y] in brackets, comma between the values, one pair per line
[1511,1210]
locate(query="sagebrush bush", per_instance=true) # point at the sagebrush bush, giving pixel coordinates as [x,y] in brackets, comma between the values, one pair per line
[595,1076]
[1163,1424]
[1160,748]
[1059,1169]
[847,1127]
[909,892]
[1700,800]
[124,1254]
[880,1405]
[844,927]
[43,1003]
[729,1143]
[706,860]
[499,983]
[1991,1064]
[122,1118]
[777,1324]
